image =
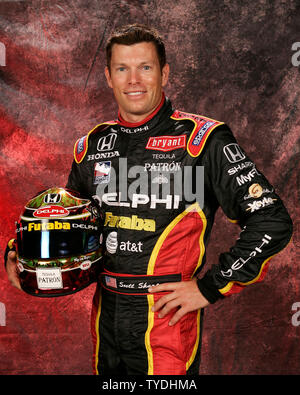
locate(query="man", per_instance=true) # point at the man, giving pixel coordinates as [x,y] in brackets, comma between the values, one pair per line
[148,307]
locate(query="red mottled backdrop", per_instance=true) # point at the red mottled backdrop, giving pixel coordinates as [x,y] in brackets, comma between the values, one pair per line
[230,60]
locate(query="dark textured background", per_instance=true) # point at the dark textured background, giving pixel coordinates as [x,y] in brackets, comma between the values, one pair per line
[230,60]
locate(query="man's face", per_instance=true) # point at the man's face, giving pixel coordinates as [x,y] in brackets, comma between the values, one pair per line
[136,79]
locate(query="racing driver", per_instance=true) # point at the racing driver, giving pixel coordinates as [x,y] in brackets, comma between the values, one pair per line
[161,174]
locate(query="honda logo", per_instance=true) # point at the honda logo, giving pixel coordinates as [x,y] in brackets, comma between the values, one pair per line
[52,198]
[107,143]
[233,153]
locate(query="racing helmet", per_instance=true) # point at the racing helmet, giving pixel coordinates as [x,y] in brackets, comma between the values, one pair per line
[59,243]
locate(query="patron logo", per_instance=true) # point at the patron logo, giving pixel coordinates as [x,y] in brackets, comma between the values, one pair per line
[233,153]
[51,212]
[49,278]
[166,143]
[163,166]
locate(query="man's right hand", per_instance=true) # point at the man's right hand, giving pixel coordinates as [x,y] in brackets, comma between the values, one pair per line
[11,269]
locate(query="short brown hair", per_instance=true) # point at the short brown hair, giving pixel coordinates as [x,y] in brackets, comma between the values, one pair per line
[133,34]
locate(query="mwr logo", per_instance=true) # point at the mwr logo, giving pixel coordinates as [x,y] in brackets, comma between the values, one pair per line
[166,143]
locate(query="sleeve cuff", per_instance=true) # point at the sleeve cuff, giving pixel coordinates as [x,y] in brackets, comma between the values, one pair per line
[209,290]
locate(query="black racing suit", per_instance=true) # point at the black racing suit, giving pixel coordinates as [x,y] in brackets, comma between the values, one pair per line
[160,183]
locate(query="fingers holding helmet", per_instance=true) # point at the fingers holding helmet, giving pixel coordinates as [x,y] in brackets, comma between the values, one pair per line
[11,269]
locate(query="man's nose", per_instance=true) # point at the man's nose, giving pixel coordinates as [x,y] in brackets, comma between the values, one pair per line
[133,77]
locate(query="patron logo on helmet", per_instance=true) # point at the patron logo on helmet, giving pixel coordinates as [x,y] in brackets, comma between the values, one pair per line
[59,243]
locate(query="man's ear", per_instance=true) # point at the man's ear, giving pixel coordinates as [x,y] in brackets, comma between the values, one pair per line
[165,74]
[107,75]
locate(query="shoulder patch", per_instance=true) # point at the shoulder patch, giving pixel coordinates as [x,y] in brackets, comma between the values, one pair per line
[202,129]
[81,145]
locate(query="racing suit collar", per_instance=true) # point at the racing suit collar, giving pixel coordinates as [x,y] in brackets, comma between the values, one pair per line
[148,123]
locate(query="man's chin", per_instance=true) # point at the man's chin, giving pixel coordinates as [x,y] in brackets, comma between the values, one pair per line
[135,115]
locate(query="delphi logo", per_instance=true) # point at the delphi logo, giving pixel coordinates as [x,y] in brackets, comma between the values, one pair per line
[51,212]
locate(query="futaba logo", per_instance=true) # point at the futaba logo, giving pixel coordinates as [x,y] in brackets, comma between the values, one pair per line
[56,225]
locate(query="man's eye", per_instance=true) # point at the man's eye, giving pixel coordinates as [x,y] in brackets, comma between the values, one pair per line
[146,67]
[121,68]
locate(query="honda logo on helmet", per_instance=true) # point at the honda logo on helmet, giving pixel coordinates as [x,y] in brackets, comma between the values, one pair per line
[107,143]
[233,153]
[52,198]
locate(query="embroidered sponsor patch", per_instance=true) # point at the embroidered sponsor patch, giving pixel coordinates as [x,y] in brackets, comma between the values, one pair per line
[202,129]
[233,153]
[111,281]
[81,145]
[49,278]
[201,132]
[102,172]
[80,148]
[166,143]
[51,212]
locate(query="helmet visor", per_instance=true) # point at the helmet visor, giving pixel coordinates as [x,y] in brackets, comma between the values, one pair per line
[48,239]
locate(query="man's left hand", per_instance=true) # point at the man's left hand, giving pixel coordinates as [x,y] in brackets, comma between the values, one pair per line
[185,295]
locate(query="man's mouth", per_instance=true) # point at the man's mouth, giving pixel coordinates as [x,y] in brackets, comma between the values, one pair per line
[135,93]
